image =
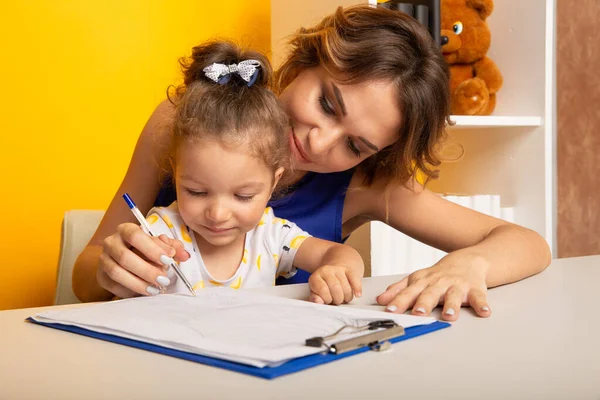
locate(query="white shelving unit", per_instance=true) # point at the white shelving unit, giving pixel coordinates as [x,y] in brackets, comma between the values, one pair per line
[511,153]
[493,121]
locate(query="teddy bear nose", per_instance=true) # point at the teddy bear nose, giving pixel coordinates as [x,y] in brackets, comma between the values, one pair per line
[444,40]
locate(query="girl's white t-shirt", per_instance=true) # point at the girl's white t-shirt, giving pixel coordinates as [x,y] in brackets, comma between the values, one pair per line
[269,251]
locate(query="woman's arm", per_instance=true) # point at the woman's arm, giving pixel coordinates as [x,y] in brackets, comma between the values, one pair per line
[336,270]
[142,181]
[483,251]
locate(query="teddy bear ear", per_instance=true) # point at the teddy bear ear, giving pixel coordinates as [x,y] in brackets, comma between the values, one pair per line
[483,7]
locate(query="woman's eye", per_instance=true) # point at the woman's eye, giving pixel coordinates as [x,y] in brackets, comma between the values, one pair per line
[244,197]
[457,27]
[195,193]
[355,150]
[327,108]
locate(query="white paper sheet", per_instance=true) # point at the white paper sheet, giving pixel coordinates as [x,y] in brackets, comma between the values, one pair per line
[235,325]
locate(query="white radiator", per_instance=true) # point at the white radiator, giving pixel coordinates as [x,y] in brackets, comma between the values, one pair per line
[392,252]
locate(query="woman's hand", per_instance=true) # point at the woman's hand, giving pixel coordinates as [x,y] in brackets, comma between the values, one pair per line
[456,280]
[133,263]
[334,284]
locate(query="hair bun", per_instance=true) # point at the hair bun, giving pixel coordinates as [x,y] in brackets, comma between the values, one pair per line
[227,53]
[247,70]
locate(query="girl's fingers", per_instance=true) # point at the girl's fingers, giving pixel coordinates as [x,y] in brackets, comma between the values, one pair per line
[346,286]
[355,282]
[347,291]
[478,300]
[319,287]
[452,302]
[392,291]
[315,298]
[335,288]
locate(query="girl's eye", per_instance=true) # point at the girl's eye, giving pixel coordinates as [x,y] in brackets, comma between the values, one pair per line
[194,193]
[355,150]
[457,27]
[244,197]
[327,108]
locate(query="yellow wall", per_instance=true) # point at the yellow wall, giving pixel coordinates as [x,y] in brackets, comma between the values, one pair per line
[78,80]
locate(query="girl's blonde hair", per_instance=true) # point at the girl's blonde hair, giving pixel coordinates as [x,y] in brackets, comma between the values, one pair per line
[233,113]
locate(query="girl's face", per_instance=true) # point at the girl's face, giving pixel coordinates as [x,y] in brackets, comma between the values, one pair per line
[335,126]
[221,192]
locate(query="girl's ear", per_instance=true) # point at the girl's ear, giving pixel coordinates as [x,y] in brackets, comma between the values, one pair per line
[278,175]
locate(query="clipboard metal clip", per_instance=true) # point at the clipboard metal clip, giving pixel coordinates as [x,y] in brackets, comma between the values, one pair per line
[377,341]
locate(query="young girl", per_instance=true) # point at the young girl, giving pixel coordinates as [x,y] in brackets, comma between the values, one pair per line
[366,90]
[228,151]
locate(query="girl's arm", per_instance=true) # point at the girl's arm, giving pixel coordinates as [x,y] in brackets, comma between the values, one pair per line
[483,251]
[336,270]
[107,265]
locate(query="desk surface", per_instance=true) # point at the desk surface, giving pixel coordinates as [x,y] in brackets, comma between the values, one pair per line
[542,342]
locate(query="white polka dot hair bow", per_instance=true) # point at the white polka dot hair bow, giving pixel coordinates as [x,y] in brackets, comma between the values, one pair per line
[221,73]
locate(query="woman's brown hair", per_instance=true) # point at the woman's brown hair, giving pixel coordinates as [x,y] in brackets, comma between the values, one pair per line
[234,112]
[362,43]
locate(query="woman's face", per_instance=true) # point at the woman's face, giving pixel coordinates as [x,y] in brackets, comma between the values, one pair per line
[335,126]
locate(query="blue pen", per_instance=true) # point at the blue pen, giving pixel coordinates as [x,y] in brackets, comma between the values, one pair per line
[146,228]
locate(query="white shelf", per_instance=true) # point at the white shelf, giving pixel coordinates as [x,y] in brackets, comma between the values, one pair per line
[467,121]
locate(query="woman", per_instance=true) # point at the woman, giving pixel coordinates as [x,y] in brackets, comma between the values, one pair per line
[366,91]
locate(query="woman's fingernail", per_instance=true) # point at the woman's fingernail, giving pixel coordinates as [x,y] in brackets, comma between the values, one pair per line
[358,294]
[166,260]
[163,281]
[172,252]
[449,311]
[391,308]
[485,308]
[420,310]
[152,290]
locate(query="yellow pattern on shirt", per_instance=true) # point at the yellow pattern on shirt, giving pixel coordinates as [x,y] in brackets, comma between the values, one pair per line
[199,285]
[184,234]
[167,221]
[237,284]
[297,241]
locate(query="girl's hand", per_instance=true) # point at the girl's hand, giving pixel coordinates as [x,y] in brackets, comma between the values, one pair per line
[133,263]
[334,284]
[455,280]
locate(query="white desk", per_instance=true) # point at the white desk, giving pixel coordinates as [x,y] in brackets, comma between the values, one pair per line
[542,342]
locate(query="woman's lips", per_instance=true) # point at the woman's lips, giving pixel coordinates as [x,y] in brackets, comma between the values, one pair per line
[296,145]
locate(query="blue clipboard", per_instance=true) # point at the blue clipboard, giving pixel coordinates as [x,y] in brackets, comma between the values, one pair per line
[289,367]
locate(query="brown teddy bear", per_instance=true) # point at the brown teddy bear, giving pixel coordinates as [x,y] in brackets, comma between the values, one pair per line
[466,37]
